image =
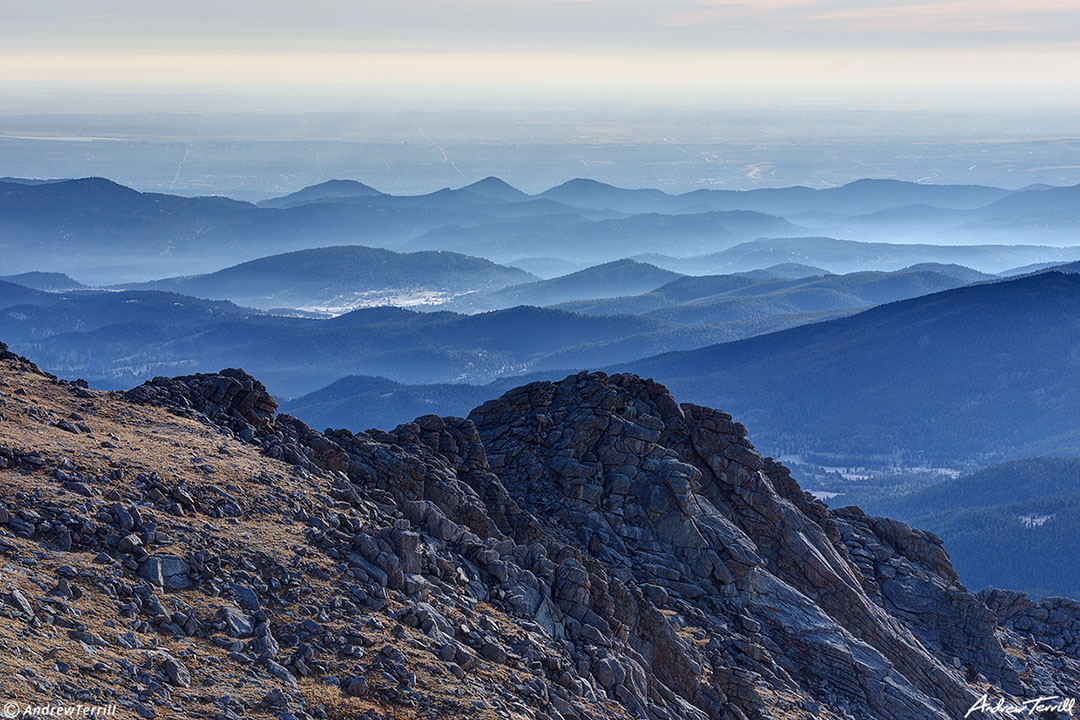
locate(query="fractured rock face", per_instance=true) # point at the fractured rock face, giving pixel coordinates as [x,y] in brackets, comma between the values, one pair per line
[684,503]
[237,624]
[231,397]
[1053,621]
[167,571]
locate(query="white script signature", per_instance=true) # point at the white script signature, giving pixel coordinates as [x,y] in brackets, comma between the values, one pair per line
[1008,708]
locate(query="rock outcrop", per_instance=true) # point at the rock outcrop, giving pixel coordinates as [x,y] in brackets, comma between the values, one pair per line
[582,549]
[231,398]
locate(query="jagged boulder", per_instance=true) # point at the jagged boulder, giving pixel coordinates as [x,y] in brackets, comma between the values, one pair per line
[1052,621]
[21,362]
[166,571]
[231,398]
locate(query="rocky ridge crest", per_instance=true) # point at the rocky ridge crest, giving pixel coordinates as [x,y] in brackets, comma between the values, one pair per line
[599,548]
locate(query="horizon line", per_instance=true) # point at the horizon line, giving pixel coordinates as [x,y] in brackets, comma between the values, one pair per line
[31,181]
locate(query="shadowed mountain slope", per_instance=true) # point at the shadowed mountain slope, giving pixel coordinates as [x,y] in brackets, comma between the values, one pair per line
[620,277]
[338,276]
[980,372]
[716,298]
[1014,525]
[324,192]
[843,256]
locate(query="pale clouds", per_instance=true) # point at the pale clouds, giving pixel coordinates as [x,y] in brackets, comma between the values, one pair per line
[351,26]
[701,46]
[700,73]
[848,23]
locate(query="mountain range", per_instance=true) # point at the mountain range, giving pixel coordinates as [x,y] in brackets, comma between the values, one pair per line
[117,337]
[859,197]
[778,314]
[842,256]
[973,375]
[109,233]
[697,299]
[106,233]
[596,241]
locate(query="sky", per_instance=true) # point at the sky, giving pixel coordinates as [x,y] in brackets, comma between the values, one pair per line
[571,46]
[255,98]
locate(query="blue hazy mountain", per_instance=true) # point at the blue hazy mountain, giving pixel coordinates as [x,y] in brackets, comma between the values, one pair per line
[14,294]
[1039,199]
[843,256]
[491,188]
[980,373]
[975,374]
[108,233]
[1033,215]
[30,316]
[808,295]
[787,270]
[344,276]
[1071,267]
[737,306]
[583,192]
[907,224]
[362,402]
[696,299]
[1044,215]
[494,188]
[1014,525]
[31,181]
[953,270]
[52,282]
[547,268]
[1028,269]
[604,240]
[621,277]
[859,197]
[485,200]
[323,192]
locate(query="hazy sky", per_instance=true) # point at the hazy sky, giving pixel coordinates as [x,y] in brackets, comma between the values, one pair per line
[260,97]
[673,45]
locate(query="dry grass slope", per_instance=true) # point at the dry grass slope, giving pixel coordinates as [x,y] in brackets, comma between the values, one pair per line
[73,652]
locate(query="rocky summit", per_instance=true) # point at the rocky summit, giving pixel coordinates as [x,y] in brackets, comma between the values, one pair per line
[582,549]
